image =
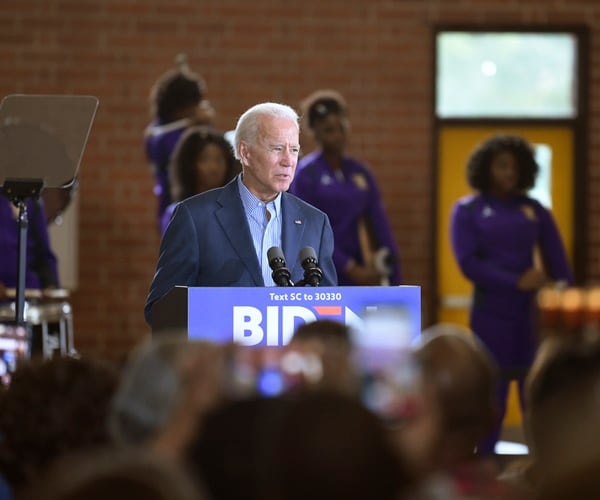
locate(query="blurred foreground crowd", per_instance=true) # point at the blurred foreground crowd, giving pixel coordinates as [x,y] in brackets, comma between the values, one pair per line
[185,420]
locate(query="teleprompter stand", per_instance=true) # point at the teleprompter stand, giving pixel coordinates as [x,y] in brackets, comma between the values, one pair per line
[42,138]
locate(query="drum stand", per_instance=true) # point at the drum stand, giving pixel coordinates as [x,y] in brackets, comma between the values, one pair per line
[48,327]
[55,323]
[17,191]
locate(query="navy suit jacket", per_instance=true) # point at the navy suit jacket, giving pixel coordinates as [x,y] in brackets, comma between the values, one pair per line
[208,243]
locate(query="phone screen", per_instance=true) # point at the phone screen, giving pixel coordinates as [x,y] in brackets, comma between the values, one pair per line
[268,371]
[13,347]
[383,355]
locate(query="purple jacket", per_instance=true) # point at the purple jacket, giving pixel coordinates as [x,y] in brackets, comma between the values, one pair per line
[41,266]
[160,141]
[494,242]
[346,200]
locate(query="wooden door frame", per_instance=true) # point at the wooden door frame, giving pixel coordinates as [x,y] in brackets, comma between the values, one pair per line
[578,124]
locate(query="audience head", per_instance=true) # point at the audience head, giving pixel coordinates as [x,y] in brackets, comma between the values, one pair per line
[487,166]
[232,454]
[267,144]
[51,408]
[180,93]
[330,446]
[165,385]
[463,377]
[202,160]
[326,114]
[579,482]
[114,474]
[329,343]
[563,405]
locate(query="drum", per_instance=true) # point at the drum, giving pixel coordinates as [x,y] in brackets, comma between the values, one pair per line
[54,321]
[51,321]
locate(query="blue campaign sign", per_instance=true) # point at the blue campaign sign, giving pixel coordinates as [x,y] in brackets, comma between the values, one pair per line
[268,316]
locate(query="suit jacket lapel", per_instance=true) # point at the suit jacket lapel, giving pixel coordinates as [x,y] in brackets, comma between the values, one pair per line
[292,230]
[232,218]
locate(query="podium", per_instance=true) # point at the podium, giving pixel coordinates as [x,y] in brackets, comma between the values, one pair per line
[268,316]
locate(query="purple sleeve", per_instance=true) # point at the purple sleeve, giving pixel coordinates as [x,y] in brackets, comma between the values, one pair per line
[467,251]
[381,227]
[165,218]
[552,249]
[46,266]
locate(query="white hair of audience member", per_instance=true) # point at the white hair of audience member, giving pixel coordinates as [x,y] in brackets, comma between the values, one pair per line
[156,382]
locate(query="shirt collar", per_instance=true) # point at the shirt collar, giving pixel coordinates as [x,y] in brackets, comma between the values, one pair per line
[250,201]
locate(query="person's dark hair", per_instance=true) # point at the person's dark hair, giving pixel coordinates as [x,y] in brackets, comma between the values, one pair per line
[183,173]
[322,103]
[175,90]
[463,376]
[323,329]
[581,482]
[562,397]
[330,446]
[232,454]
[53,407]
[479,163]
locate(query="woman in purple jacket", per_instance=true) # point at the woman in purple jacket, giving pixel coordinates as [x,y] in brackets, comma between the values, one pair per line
[178,101]
[201,160]
[507,244]
[345,189]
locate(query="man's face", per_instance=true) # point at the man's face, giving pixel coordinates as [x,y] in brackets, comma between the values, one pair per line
[270,164]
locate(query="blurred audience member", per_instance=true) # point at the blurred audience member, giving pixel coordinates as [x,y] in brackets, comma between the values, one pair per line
[507,244]
[114,475]
[232,455]
[345,189]
[166,384]
[328,343]
[329,446]
[177,101]
[581,483]
[202,160]
[52,408]
[462,376]
[563,411]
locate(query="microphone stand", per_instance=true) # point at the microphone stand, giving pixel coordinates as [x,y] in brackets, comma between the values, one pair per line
[312,277]
[282,277]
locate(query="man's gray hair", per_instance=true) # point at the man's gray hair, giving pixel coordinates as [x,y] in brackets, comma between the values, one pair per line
[247,126]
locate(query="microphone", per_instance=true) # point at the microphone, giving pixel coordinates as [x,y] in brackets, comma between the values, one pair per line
[281,274]
[312,272]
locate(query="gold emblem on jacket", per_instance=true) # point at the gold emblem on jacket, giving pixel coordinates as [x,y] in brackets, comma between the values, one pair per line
[360,181]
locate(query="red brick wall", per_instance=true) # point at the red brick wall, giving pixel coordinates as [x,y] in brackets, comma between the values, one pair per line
[378,53]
